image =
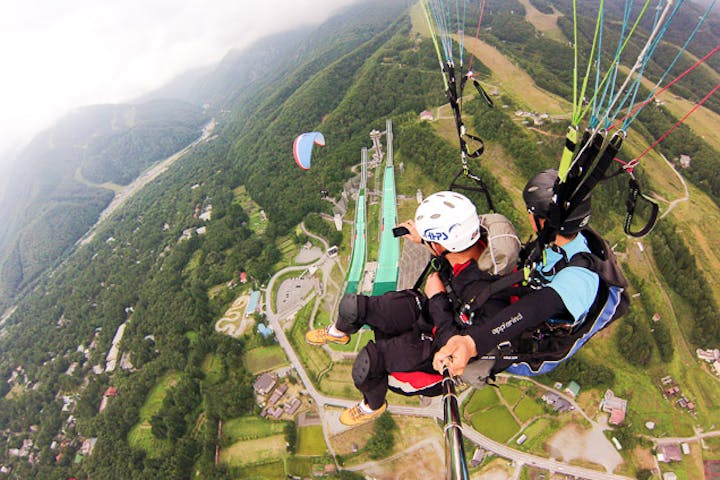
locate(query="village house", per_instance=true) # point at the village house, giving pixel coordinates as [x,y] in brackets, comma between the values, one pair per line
[88,446]
[277,394]
[110,392]
[427,115]
[685,161]
[264,384]
[709,355]
[572,389]
[615,406]
[558,403]
[478,456]
[712,469]
[292,406]
[669,452]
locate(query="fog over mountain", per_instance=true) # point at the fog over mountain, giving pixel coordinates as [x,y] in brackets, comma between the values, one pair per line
[57,57]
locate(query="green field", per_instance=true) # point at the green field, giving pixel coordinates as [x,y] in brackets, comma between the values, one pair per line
[511,394]
[263,359]
[212,367]
[480,400]
[154,400]
[140,436]
[528,408]
[249,427]
[256,224]
[311,441]
[300,466]
[258,450]
[496,423]
[266,471]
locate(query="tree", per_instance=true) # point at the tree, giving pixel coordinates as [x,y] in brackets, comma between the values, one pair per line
[291,436]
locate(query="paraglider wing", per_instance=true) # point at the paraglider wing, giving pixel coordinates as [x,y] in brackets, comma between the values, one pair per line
[303,145]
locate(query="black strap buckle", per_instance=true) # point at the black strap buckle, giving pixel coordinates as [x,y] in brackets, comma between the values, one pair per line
[634,195]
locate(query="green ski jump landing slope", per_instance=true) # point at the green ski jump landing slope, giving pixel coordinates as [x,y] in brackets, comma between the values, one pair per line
[357,263]
[389,258]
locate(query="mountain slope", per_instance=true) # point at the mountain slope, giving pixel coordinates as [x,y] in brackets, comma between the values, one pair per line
[47,208]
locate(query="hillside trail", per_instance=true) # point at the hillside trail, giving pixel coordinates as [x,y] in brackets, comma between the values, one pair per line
[684,198]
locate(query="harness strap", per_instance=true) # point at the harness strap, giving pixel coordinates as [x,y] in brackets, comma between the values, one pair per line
[481,187]
[634,195]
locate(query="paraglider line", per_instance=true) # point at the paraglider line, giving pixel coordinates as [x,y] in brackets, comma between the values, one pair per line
[679,122]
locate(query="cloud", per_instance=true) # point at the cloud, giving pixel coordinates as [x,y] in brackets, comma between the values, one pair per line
[61,55]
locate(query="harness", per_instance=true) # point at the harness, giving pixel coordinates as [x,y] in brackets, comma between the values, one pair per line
[540,350]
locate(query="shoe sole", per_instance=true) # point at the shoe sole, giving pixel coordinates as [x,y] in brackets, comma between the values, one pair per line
[339,342]
[367,420]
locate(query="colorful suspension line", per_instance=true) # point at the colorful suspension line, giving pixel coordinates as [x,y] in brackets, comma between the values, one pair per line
[635,86]
[657,33]
[629,118]
[676,125]
[656,94]
[477,34]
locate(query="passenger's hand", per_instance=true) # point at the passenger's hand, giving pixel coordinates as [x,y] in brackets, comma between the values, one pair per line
[433,285]
[413,236]
[456,354]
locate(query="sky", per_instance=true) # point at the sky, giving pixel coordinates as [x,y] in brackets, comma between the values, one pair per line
[57,56]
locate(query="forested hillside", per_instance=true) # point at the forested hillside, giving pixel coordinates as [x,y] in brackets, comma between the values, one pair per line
[168,274]
[54,194]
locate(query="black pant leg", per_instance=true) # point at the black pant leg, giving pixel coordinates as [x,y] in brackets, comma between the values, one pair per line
[403,353]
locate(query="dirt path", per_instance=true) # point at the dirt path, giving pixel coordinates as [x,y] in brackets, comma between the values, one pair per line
[685,198]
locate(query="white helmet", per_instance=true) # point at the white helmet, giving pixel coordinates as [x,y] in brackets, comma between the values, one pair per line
[450,219]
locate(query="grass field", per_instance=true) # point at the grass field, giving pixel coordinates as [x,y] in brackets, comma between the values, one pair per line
[254,451]
[480,400]
[511,394]
[515,82]
[311,441]
[212,367]
[528,408]
[263,359]
[140,436]
[315,359]
[544,22]
[249,427]
[496,423]
[266,471]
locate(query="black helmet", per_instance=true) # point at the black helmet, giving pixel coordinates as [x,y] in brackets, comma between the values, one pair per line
[538,195]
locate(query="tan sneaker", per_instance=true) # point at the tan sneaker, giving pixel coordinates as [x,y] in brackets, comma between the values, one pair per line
[357,416]
[321,336]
